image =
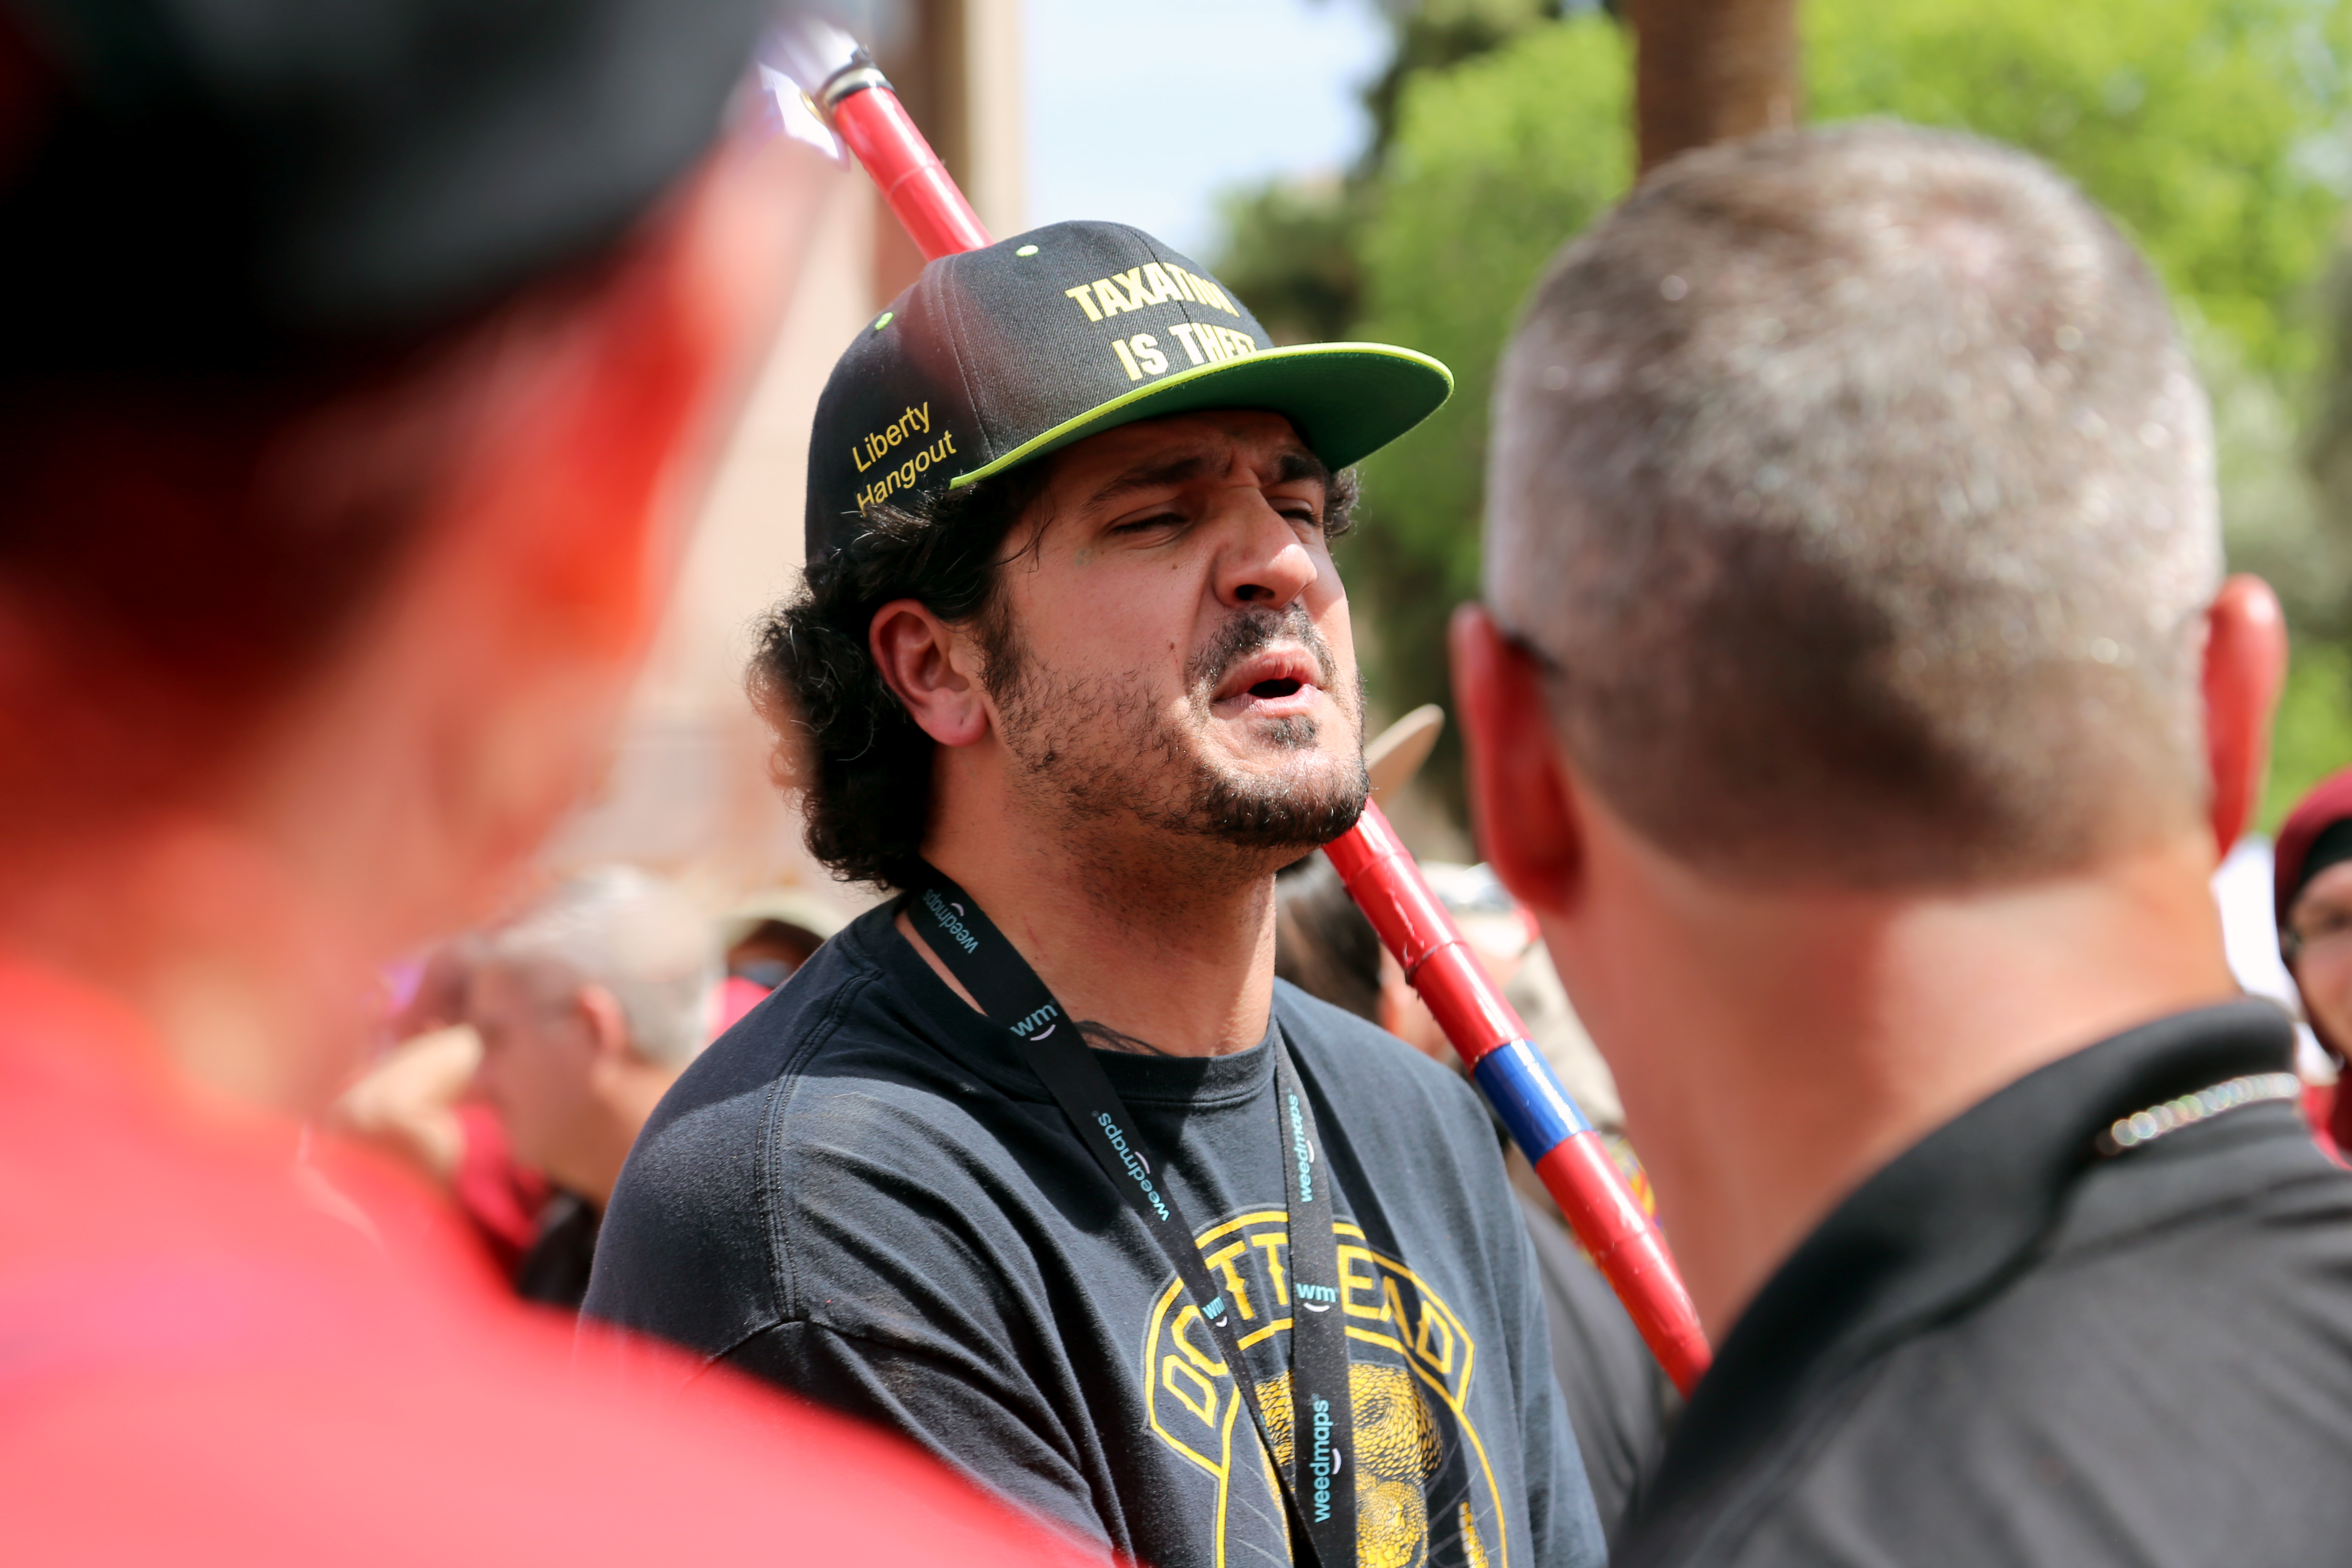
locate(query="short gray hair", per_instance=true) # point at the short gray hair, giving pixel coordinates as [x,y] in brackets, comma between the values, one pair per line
[1856,490]
[633,934]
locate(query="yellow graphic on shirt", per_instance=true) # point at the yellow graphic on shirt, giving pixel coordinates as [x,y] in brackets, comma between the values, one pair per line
[1424,1491]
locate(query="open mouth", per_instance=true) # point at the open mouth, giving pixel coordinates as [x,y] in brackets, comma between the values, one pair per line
[1286,676]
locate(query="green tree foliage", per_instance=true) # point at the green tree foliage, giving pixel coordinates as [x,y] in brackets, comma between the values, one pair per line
[2314,726]
[2202,124]
[2214,129]
[1291,247]
[1494,161]
[1290,251]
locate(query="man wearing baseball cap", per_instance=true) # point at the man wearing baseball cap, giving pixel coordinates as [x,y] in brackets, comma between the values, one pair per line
[1037,1163]
[354,363]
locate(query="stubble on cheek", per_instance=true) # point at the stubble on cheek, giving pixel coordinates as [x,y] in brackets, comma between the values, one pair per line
[1105,747]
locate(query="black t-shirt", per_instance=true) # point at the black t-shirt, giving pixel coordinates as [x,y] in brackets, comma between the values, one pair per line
[2006,1347]
[862,1194]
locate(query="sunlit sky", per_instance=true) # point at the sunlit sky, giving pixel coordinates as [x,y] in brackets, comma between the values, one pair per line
[1142,112]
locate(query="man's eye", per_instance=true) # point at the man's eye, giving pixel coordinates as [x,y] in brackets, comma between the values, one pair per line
[1150,524]
[2323,927]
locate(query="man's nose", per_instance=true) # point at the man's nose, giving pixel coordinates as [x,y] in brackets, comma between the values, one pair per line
[1266,566]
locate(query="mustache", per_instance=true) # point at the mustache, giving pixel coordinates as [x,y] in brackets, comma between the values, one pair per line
[1249,633]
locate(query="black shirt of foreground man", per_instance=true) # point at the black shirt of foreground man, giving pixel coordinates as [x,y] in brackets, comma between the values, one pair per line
[863,1194]
[2008,1346]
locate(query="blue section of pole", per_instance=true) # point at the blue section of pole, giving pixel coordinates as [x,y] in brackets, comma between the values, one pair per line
[1527,1095]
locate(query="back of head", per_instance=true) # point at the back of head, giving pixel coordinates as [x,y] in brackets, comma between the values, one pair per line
[1855,489]
[633,934]
[263,268]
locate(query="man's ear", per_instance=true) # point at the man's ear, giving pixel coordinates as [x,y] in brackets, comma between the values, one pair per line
[1519,804]
[2246,665]
[929,669]
[608,1025]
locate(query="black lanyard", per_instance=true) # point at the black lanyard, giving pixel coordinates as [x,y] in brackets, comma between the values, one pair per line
[1322,1502]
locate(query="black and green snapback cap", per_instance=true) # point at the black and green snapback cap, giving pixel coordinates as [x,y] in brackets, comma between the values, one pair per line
[996,357]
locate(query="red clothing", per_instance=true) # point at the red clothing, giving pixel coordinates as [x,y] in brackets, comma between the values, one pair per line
[2329,803]
[206,1356]
[499,1198]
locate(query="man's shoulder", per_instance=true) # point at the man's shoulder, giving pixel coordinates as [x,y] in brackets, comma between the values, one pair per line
[2175,1408]
[370,1415]
[842,987]
[1367,1069]
[840,1027]
[2177,1353]
[766,1159]
[316,1365]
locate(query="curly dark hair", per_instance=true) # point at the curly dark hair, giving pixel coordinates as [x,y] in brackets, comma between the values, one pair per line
[860,763]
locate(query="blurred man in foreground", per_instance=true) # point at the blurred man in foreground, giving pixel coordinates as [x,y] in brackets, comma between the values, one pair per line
[589,1006]
[360,367]
[1862,712]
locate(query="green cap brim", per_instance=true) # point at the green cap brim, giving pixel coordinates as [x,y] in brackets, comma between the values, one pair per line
[1345,400]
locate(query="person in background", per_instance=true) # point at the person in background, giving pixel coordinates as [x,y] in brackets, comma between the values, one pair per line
[588,1006]
[1861,710]
[415,1104]
[1505,937]
[1510,949]
[767,938]
[362,368]
[2311,869]
[1619,1399]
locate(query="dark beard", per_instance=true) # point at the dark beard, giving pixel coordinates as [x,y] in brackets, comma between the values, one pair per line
[1087,742]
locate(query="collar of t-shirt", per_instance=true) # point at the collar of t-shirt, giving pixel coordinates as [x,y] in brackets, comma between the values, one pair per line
[1949,1219]
[981,1048]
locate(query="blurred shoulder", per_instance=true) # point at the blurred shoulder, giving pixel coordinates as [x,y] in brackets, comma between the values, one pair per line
[463,1433]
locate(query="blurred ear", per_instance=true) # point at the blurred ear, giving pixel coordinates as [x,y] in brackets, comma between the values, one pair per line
[606,1023]
[2245,665]
[929,669]
[1520,805]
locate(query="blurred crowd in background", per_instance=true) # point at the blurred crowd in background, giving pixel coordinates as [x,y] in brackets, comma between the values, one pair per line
[519,1063]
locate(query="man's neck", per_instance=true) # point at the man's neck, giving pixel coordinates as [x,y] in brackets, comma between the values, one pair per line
[1784,1046]
[1159,948]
